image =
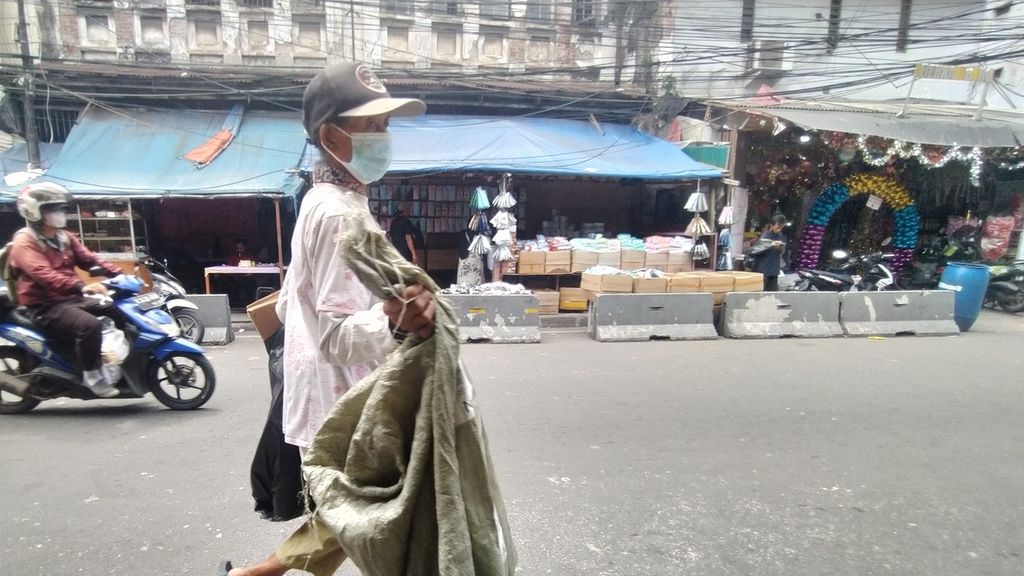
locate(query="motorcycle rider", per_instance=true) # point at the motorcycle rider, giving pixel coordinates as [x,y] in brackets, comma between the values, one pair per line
[43,257]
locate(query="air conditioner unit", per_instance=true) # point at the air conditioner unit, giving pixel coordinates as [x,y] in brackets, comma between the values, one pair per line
[769,56]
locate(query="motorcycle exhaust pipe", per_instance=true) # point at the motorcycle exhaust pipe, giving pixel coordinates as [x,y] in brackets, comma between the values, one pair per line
[14,385]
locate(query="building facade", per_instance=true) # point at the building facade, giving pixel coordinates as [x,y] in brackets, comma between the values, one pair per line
[855,49]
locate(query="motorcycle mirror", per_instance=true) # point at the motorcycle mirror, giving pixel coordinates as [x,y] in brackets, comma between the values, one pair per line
[840,254]
[887,241]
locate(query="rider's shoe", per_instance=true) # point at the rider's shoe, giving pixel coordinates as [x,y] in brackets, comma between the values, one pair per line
[97,382]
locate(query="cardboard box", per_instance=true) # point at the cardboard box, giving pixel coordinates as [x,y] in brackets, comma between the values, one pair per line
[656,260]
[718,283]
[747,281]
[613,259]
[632,259]
[684,282]
[531,262]
[583,260]
[607,283]
[548,301]
[572,300]
[679,262]
[558,262]
[264,316]
[650,285]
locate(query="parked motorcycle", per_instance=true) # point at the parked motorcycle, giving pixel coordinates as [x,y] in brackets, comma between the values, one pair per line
[1006,287]
[851,274]
[184,311]
[930,259]
[34,368]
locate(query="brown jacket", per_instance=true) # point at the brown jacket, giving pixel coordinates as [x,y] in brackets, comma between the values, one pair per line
[46,274]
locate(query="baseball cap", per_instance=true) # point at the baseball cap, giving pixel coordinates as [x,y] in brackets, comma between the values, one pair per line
[349,90]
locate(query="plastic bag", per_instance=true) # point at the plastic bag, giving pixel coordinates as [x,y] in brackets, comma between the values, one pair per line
[995,236]
[115,347]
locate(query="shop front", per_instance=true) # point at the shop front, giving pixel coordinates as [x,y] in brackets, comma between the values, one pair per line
[875,177]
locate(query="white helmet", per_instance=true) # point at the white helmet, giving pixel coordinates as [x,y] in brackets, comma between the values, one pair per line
[34,197]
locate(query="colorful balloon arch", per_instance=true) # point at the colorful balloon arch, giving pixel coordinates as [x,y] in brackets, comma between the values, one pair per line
[908,221]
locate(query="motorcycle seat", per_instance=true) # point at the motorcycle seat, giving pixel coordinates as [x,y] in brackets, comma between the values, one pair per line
[20,316]
[842,277]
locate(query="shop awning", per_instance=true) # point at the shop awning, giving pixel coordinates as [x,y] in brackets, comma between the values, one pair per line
[922,123]
[139,154]
[540,146]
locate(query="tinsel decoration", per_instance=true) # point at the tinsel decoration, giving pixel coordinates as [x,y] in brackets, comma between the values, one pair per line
[699,227]
[504,200]
[698,202]
[481,245]
[479,201]
[504,222]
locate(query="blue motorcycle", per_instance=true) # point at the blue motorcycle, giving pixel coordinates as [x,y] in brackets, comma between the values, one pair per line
[34,368]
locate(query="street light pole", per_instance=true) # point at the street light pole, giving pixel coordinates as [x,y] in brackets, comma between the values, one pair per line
[28,77]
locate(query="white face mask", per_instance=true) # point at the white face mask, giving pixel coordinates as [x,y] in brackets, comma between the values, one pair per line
[56,219]
[371,155]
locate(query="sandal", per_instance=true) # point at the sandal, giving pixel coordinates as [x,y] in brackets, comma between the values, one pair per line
[224,568]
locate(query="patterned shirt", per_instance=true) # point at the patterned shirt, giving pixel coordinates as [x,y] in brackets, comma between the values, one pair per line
[336,332]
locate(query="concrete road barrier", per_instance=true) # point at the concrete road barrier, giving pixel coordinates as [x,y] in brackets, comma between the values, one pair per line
[781,314]
[215,314]
[497,319]
[922,313]
[639,317]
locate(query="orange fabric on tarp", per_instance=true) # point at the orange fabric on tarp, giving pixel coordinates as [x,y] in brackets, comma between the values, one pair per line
[207,151]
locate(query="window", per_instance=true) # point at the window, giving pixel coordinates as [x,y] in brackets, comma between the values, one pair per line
[98,31]
[446,42]
[493,45]
[834,11]
[539,10]
[398,39]
[202,2]
[206,34]
[446,8]
[398,7]
[583,13]
[256,3]
[495,8]
[152,30]
[540,49]
[258,34]
[747,21]
[307,35]
[903,35]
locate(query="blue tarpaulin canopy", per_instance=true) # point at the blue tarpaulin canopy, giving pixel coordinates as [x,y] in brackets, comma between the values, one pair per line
[140,154]
[541,146]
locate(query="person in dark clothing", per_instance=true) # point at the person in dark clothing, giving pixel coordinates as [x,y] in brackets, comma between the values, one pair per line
[769,262]
[402,235]
[43,257]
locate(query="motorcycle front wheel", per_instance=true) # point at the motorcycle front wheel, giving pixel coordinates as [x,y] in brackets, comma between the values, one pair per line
[190,324]
[15,362]
[182,381]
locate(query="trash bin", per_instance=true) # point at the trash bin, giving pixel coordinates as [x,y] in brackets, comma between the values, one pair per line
[969,281]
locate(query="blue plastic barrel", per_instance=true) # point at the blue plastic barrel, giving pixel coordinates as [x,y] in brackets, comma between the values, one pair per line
[969,281]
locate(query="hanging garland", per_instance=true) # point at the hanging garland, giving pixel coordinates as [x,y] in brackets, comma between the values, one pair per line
[877,151]
[908,221]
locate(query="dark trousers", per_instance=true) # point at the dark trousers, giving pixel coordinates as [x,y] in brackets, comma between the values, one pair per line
[771,283]
[74,323]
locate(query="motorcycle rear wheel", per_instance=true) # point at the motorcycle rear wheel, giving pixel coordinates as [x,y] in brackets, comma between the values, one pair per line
[178,372]
[15,362]
[1012,303]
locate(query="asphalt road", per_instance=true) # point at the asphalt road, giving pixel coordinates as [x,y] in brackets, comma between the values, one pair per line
[789,457]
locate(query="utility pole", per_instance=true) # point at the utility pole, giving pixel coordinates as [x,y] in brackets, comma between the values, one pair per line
[28,97]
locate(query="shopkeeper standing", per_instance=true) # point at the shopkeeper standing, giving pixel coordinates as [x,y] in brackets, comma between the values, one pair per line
[769,262]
